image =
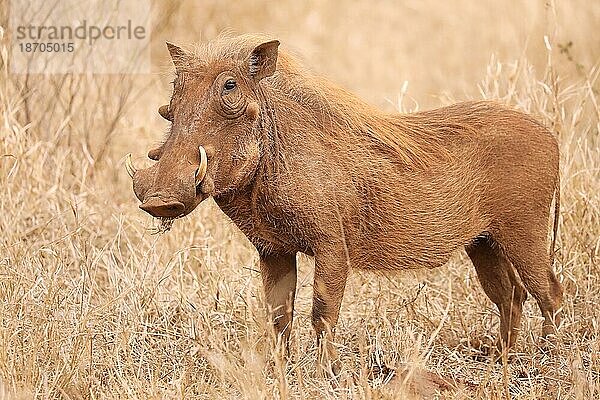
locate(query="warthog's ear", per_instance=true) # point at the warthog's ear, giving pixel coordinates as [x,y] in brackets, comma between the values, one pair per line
[263,60]
[177,54]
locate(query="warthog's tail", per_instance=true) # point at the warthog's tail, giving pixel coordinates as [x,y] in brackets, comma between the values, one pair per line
[556,215]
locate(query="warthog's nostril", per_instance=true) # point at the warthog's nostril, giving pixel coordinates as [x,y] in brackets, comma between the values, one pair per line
[159,208]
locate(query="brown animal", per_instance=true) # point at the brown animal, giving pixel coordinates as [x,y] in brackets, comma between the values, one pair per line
[300,165]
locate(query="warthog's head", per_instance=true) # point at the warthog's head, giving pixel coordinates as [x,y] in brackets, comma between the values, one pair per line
[213,146]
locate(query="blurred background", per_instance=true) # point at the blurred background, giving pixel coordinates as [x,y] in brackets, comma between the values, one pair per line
[374,47]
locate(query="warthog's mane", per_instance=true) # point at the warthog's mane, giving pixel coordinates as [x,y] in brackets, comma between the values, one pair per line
[416,138]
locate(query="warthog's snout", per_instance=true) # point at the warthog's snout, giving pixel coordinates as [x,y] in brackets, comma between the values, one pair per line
[158,207]
[170,188]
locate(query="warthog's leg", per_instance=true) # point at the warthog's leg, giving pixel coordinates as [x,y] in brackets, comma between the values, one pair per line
[279,282]
[331,272]
[526,247]
[501,284]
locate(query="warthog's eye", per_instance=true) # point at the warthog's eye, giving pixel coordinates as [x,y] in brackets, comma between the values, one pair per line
[231,102]
[229,85]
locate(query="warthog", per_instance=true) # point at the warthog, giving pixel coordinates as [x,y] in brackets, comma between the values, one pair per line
[301,165]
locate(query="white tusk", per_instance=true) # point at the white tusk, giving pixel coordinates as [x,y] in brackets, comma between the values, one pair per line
[129,165]
[201,171]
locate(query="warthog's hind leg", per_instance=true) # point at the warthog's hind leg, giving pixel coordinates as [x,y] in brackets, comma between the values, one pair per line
[526,247]
[501,284]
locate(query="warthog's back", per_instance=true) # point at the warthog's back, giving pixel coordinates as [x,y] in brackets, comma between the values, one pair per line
[493,164]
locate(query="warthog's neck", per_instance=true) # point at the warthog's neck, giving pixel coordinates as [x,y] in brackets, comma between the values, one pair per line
[258,212]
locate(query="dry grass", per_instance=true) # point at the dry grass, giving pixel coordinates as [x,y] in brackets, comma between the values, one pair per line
[92,305]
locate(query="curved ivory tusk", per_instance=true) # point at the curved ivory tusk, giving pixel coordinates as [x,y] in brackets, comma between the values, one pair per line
[201,171]
[129,165]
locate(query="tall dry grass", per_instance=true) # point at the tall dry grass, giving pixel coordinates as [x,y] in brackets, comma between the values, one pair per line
[93,305]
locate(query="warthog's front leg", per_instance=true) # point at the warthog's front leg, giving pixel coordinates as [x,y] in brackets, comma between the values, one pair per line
[331,272]
[279,282]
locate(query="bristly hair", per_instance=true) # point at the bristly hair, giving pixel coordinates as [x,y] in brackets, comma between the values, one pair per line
[415,138]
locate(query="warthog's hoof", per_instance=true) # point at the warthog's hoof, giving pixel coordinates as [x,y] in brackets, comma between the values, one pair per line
[481,349]
[381,372]
[330,370]
[548,344]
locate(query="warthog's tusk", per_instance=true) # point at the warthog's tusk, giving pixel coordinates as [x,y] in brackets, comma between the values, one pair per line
[129,165]
[201,171]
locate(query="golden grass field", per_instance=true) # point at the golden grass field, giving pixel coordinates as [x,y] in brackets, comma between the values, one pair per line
[95,305]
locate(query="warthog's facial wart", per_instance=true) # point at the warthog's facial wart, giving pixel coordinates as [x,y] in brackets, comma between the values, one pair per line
[213,144]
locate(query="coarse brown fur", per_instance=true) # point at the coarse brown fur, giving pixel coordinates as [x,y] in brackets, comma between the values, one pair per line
[300,165]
